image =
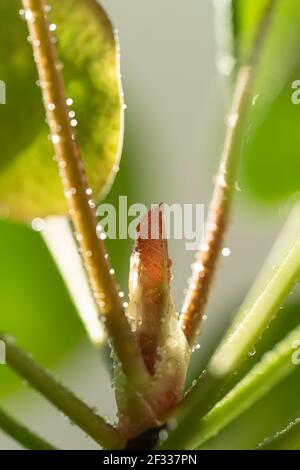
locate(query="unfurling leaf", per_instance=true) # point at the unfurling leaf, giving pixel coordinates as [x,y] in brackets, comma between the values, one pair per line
[154,321]
[153,315]
[88,54]
[149,284]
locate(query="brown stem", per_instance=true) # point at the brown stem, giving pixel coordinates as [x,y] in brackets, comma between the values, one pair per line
[218,216]
[78,195]
[61,397]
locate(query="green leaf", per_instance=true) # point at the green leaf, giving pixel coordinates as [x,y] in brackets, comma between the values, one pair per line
[88,52]
[286,439]
[277,278]
[270,162]
[273,368]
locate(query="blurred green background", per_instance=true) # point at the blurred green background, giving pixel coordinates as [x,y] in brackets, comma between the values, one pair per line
[177,103]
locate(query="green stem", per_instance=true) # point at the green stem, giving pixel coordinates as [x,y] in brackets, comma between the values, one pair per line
[21,434]
[78,197]
[277,279]
[287,439]
[78,412]
[274,367]
[278,276]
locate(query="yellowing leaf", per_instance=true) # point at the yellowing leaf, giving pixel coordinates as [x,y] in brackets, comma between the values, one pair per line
[88,53]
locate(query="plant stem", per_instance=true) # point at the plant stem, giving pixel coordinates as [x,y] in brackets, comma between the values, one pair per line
[21,434]
[274,367]
[78,412]
[206,259]
[218,216]
[287,439]
[78,195]
[276,280]
[278,276]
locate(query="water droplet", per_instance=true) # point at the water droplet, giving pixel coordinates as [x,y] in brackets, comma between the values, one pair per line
[52,27]
[171,341]
[89,191]
[125,304]
[37,43]
[226,252]
[254,100]
[74,122]
[237,187]
[69,102]
[71,114]
[111,271]
[121,294]
[196,347]
[163,435]
[70,192]
[212,226]
[226,65]
[252,352]
[221,180]
[124,106]
[38,224]
[91,204]
[204,247]
[172,364]
[204,317]
[62,164]
[89,254]
[198,267]
[55,139]
[51,106]
[29,15]
[232,119]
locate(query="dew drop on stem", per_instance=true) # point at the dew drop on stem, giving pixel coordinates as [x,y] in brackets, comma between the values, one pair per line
[252,352]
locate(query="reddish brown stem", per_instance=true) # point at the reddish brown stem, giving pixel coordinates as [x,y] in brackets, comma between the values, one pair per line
[78,194]
[218,217]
